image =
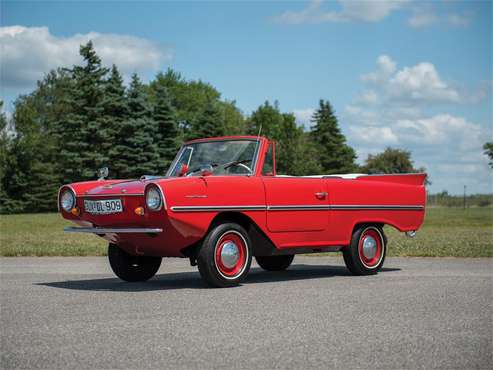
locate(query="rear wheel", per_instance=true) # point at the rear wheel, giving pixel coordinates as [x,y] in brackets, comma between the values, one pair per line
[275,263]
[225,256]
[132,268]
[366,253]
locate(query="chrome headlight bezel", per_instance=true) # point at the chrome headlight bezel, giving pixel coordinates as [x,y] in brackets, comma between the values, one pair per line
[154,198]
[67,200]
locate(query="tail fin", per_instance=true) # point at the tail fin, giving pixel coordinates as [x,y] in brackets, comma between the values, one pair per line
[398,178]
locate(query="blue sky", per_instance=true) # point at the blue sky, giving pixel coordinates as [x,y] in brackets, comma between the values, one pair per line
[407,74]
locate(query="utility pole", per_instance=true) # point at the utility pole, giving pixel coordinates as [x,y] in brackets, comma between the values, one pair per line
[465,196]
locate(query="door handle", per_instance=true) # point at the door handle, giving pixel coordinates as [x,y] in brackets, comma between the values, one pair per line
[321,195]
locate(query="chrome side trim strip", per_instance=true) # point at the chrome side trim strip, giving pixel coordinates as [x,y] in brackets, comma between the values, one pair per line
[165,205]
[361,207]
[355,207]
[110,195]
[108,230]
[298,208]
[216,208]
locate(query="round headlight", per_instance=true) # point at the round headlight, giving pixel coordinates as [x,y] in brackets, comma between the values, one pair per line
[153,199]
[67,200]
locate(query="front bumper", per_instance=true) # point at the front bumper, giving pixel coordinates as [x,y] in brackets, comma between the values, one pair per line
[112,230]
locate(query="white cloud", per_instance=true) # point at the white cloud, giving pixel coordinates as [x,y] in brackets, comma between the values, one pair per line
[304,116]
[406,108]
[370,11]
[361,115]
[459,20]
[385,68]
[419,19]
[30,52]
[439,130]
[424,17]
[419,83]
[422,82]
[448,146]
[423,13]
[366,11]
[373,134]
[426,13]
[368,97]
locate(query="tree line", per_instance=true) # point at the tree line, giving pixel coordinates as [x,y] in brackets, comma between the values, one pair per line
[444,199]
[82,118]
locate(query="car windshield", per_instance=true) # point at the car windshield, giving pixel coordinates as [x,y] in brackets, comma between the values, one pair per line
[220,157]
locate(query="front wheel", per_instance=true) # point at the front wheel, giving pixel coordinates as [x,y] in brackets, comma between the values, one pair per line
[275,263]
[225,256]
[366,253]
[132,268]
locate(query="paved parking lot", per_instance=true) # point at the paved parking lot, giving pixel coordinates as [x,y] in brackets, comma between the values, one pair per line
[417,313]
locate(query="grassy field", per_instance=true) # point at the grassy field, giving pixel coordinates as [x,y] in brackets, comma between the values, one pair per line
[446,232]
[42,235]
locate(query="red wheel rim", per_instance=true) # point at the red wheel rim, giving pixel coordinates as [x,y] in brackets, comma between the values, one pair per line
[231,254]
[370,248]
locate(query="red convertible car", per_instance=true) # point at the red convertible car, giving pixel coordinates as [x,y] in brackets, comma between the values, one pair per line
[222,203]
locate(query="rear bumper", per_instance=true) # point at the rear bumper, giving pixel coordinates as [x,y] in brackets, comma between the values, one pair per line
[112,230]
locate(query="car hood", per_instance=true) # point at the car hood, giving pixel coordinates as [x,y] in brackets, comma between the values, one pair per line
[137,187]
[123,187]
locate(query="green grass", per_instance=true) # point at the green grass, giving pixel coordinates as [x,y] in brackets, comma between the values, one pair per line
[446,232]
[43,235]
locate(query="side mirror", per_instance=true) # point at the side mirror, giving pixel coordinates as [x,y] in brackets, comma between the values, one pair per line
[206,170]
[103,173]
[183,170]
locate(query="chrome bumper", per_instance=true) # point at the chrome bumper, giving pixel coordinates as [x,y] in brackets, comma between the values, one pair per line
[111,230]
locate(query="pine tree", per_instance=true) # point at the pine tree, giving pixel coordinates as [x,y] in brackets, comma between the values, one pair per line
[14,179]
[115,112]
[136,148]
[164,116]
[488,151]
[189,98]
[3,140]
[269,118]
[295,154]
[68,133]
[4,149]
[334,154]
[31,180]
[306,158]
[210,123]
[83,132]
[234,121]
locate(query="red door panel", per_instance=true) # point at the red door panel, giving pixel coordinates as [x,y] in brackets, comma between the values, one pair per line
[295,204]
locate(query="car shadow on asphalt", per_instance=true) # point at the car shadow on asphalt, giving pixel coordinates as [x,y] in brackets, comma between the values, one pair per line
[192,280]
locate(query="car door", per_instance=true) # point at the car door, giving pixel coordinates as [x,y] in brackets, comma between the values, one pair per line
[295,203]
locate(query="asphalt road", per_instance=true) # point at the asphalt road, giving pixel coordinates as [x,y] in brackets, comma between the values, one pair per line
[418,313]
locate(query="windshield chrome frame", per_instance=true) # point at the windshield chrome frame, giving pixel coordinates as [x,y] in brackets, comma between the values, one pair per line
[185,145]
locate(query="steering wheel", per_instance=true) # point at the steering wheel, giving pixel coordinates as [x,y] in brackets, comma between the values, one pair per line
[243,165]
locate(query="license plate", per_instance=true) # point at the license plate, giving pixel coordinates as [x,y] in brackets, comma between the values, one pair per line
[103,207]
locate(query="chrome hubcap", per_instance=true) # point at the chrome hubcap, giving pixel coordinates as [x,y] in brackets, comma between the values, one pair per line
[230,254]
[369,247]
